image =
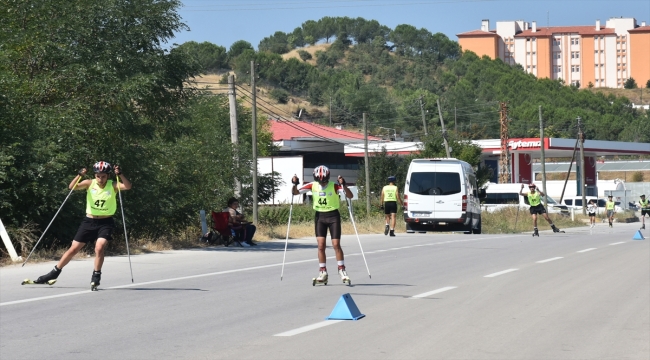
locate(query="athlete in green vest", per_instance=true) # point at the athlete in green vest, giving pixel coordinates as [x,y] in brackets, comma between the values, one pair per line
[610,207]
[326,203]
[645,209]
[389,198]
[537,207]
[98,223]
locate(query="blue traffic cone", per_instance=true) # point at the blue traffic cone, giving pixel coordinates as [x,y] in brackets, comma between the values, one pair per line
[345,309]
[638,236]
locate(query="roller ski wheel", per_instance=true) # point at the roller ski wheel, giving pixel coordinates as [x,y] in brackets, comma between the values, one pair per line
[321,279]
[94,280]
[344,277]
[386,229]
[32,282]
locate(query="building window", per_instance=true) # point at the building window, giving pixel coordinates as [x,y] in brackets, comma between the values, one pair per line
[575,55]
[557,55]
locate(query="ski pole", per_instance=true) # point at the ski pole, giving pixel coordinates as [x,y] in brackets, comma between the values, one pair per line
[517,218]
[48,226]
[356,232]
[126,237]
[286,241]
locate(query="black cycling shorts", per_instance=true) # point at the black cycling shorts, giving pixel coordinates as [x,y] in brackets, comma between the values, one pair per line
[645,212]
[93,229]
[328,220]
[539,209]
[390,207]
[592,214]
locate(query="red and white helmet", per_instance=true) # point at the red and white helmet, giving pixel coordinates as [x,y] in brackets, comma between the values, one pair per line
[102,167]
[321,173]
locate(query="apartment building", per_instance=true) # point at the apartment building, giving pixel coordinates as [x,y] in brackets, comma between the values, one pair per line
[603,56]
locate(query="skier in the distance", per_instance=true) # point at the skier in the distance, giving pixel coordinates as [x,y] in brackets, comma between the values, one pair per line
[98,224]
[592,207]
[645,209]
[326,203]
[537,207]
[389,199]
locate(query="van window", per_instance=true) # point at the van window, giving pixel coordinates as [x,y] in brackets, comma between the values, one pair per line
[501,198]
[434,183]
[578,202]
[568,202]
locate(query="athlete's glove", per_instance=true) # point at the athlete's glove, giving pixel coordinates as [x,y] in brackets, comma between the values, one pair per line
[341,180]
[117,170]
[82,172]
[295,180]
[381,207]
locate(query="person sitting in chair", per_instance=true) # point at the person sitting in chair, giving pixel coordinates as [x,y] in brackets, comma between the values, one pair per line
[239,223]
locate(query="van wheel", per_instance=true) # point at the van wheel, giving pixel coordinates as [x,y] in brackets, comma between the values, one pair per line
[477,230]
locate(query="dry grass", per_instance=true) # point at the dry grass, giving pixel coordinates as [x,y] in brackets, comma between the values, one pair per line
[637,96]
[310,49]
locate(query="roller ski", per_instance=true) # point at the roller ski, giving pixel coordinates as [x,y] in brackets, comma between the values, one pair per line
[535,232]
[344,276]
[321,279]
[95,279]
[555,229]
[386,229]
[49,278]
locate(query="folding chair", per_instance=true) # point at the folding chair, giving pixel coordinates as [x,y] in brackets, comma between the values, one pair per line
[224,230]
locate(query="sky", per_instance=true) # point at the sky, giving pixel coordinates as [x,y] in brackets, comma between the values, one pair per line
[223,22]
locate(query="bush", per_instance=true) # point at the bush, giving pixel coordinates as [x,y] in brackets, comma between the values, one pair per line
[279,95]
[637,177]
[304,55]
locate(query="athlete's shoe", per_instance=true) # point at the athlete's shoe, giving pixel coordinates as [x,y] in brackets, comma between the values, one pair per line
[322,275]
[49,276]
[592,225]
[610,224]
[643,227]
[555,229]
[95,279]
[344,275]
[392,232]
[386,230]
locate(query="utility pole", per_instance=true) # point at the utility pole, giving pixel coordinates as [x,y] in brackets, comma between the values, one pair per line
[455,122]
[234,135]
[254,140]
[504,159]
[424,120]
[541,147]
[367,162]
[444,132]
[581,138]
[330,110]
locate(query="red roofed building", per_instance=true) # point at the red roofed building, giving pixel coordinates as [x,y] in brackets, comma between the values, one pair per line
[318,145]
[604,56]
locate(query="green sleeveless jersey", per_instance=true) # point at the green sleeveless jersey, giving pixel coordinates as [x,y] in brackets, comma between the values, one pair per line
[534,199]
[325,199]
[390,193]
[645,204]
[610,205]
[100,201]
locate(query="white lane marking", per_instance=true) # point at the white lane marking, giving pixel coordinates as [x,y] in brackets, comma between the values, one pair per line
[500,273]
[585,250]
[220,273]
[438,291]
[551,259]
[308,328]
[620,242]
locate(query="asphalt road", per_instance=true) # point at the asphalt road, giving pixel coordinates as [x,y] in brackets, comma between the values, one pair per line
[580,295]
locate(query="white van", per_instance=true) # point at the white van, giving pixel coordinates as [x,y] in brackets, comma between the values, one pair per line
[576,203]
[441,195]
[499,196]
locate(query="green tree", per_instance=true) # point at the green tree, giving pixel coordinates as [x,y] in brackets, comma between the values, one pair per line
[237,48]
[83,81]
[630,84]
[210,57]
[277,43]
[647,84]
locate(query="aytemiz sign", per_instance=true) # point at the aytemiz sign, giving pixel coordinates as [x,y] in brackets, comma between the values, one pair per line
[515,144]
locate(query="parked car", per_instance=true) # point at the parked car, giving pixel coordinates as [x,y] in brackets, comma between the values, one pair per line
[499,196]
[442,195]
[576,203]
